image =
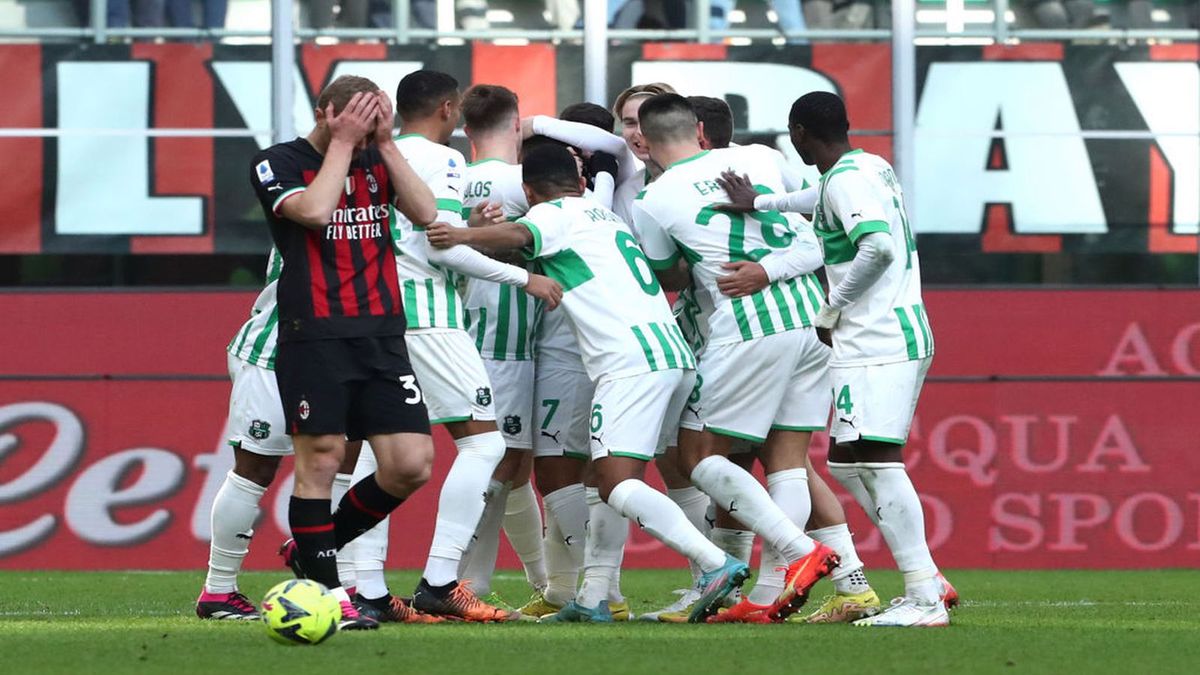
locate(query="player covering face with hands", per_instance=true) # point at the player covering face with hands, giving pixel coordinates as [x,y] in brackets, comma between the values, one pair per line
[342,366]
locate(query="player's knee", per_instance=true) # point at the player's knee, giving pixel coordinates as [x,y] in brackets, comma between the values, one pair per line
[259,469]
[488,446]
[406,469]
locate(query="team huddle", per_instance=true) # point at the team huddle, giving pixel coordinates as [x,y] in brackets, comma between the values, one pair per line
[520,300]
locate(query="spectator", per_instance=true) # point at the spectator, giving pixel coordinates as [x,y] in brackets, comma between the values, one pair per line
[1059,14]
[472,14]
[353,13]
[180,13]
[842,14]
[790,18]
[145,13]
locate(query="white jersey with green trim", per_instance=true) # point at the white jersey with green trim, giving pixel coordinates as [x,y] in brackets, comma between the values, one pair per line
[626,193]
[500,317]
[256,341]
[859,195]
[428,291]
[675,217]
[612,300]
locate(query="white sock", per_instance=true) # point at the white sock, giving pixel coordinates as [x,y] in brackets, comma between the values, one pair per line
[341,485]
[460,504]
[479,561]
[366,553]
[848,476]
[561,568]
[614,579]
[902,523]
[665,521]
[746,499]
[788,489]
[234,511]
[737,543]
[848,576]
[694,505]
[523,528]
[607,531]
[569,508]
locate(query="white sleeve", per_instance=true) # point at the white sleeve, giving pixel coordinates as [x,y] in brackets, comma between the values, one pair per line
[467,261]
[852,201]
[589,138]
[870,262]
[604,188]
[660,249]
[548,224]
[802,201]
[447,186]
[802,257]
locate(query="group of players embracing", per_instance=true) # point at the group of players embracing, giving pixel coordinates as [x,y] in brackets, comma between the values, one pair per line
[520,300]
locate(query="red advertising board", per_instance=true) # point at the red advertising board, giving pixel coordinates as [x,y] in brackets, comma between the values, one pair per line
[1058,463]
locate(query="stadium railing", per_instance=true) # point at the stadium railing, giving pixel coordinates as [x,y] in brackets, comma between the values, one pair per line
[954,21]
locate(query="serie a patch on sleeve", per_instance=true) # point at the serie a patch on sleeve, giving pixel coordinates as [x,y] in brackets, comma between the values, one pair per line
[265,174]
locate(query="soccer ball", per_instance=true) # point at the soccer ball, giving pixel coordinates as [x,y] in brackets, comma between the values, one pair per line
[300,612]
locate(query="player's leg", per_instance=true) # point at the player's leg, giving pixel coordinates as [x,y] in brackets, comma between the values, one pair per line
[458,395]
[874,406]
[633,407]
[688,497]
[563,400]
[765,366]
[523,526]
[853,598]
[388,410]
[255,431]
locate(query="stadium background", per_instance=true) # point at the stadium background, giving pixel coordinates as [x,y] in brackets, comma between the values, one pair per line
[1055,188]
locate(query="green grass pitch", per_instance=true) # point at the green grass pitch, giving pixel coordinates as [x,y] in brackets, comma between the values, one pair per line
[1010,622]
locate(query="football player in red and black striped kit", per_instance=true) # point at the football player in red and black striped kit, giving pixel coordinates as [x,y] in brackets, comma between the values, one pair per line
[342,366]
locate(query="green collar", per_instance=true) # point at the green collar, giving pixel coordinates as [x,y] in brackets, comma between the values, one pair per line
[685,160]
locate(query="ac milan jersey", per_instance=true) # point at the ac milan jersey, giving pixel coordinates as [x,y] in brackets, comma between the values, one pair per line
[338,280]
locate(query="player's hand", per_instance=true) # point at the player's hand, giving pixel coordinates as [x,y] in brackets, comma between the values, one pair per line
[827,318]
[744,279]
[601,162]
[442,235]
[487,213]
[385,117]
[355,121]
[740,190]
[526,128]
[545,289]
[825,336]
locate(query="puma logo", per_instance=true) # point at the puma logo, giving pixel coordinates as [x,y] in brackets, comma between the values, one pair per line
[568,539]
[247,537]
[640,523]
[732,506]
[553,436]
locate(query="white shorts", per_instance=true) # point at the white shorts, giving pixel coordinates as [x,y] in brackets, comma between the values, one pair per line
[876,403]
[512,383]
[562,408]
[255,412]
[637,416]
[746,389]
[451,374]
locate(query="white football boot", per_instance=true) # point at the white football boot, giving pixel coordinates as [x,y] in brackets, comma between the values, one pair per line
[908,612]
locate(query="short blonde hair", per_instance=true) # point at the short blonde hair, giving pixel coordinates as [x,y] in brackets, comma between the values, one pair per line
[652,89]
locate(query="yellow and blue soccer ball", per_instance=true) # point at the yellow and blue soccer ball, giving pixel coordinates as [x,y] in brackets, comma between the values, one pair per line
[300,612]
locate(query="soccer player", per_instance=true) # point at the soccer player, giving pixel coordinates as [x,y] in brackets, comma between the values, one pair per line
[763,344]
[853,598]
[457,391]
[258,437]
[641,368]
[882,342]
[342,366]
[501,321]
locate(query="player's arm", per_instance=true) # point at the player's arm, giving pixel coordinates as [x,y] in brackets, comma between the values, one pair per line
[661,252]
[313,206]
[499,237]
[603,168]
[743,197]
[865,223]
[803,256]
[585,137]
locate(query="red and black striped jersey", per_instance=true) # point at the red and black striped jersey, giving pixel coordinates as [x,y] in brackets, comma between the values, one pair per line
[339,280]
